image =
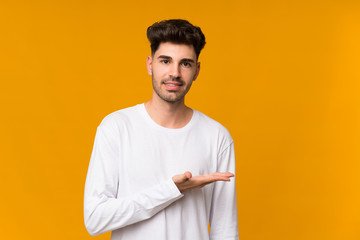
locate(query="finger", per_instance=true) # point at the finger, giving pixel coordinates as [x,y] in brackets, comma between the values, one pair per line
[188,174]
[184,177]
[223,174]
[206,179]
[225,179]
[181,178]
[229,174]
[220,177]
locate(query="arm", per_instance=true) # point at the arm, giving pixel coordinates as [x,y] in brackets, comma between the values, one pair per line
[223,214]
[103,211]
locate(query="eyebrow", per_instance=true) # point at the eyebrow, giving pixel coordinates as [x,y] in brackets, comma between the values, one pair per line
[187,60]
[164,56]
[183,60]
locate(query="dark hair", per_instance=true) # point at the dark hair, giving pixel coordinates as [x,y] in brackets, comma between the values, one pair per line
[175,31]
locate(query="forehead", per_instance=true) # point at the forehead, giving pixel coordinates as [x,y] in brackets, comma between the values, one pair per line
[176,51]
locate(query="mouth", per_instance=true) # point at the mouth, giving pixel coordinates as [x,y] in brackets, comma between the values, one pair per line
[175,81]
[172,85]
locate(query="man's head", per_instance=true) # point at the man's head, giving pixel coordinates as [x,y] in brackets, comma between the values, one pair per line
[175,31]
[175,48]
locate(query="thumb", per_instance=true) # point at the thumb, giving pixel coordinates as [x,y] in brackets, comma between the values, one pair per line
[188,175]
[185,176]
[181,178]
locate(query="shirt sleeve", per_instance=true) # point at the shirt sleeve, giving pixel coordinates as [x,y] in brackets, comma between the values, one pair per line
[223,215]
[103,210]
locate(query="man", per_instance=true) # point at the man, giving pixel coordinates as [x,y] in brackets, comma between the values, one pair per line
[152,164]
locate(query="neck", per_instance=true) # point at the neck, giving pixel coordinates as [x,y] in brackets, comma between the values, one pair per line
[168,114]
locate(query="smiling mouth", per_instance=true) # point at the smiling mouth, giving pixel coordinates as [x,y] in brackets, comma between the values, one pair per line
[173,83]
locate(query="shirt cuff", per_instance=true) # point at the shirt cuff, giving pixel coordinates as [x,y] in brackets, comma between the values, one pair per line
[174,189]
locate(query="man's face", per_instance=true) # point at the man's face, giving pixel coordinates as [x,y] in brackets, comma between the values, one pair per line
[173,69]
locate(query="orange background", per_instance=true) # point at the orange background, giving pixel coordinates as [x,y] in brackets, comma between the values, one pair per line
[282,76]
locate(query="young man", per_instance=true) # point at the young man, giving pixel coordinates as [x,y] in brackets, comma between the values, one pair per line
[161,170]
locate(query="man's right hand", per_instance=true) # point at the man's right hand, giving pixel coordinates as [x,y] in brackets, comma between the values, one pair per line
[186,181]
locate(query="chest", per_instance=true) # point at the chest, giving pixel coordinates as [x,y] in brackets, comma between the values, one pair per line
[150,157]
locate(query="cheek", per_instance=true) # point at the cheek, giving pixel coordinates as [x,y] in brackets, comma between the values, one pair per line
[158,72]
[189,76]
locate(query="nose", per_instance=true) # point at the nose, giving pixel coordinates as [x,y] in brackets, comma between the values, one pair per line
[174,71]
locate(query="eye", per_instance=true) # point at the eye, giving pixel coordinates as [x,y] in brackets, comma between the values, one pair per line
[165,61]
[186,64]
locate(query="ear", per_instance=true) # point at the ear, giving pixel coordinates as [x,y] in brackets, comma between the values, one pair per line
[149,65]
[197,71]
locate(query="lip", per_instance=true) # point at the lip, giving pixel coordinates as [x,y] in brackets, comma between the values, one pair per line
[172,86]
[173,83]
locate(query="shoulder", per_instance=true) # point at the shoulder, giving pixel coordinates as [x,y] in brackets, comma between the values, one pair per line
[212,124]
[120,117]
[213,127]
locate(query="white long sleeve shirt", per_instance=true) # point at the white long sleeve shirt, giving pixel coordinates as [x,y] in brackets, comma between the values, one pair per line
[129,188]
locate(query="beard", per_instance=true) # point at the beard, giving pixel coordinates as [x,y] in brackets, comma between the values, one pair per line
[168,95]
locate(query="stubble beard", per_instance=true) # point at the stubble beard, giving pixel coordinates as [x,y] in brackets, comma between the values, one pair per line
[170,98]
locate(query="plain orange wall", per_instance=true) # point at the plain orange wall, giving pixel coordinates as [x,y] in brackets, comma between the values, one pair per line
[282,76]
